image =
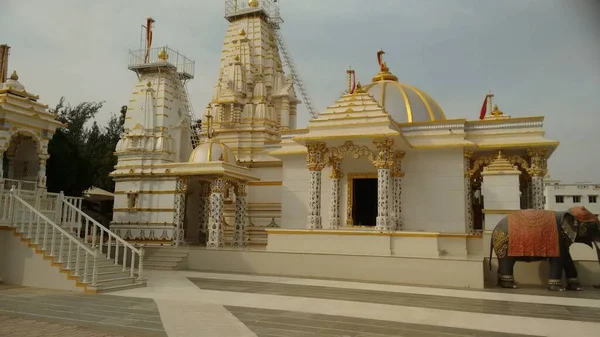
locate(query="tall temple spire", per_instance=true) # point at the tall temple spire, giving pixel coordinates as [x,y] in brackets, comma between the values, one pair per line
[253,99]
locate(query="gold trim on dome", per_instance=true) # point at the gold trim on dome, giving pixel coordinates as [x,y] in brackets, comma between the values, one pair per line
[424,99]
[350,194]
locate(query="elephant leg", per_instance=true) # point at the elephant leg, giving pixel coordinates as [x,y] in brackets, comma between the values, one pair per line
[506,277]
[555,279]
[570,271]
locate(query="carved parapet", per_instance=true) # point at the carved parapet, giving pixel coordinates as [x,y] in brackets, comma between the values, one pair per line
[539,162]
[385,155]
[315,158]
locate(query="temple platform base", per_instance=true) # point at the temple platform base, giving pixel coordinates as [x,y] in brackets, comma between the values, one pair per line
[417,258]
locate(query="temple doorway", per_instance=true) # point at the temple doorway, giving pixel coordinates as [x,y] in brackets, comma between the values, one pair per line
[364,194]
[20,161]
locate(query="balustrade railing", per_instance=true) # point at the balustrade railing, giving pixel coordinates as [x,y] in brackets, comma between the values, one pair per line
[51,238]
[95,233]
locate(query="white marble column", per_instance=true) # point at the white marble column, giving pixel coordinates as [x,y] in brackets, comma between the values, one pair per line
[42,171]
[179,216]
[215,214]
[467,154]
[215,221]
[383,163]
[396,187]
[315,165]
[203,212]
[239,233]
[538,168]
[334,210]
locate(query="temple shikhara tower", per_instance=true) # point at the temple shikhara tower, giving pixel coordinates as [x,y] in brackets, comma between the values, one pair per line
[253,99]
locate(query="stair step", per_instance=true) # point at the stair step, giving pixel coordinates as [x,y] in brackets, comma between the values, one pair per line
[135,284]
[154,258]
[115,281]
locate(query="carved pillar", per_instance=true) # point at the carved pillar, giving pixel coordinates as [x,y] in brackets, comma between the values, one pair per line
[239,232]
[467,154]
[397,175]
[538,168]
[383,163]
[203,212]
[179,216]
[315,159]
[42,171]
[334,209]
[215,220]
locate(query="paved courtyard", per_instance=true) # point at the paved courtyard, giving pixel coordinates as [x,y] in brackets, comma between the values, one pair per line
[190,304]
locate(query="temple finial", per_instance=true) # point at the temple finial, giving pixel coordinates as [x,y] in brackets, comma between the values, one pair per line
[209,130]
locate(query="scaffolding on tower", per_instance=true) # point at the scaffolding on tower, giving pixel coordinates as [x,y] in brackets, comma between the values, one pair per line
[166,61]
[270,9]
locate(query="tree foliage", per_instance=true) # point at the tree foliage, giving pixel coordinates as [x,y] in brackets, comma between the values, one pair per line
[82,156]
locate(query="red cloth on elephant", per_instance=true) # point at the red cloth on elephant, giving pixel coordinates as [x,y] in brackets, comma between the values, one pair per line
[533,232]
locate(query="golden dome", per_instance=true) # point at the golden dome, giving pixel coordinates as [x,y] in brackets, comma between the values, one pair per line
[404,103]
[253,3]
[211,152]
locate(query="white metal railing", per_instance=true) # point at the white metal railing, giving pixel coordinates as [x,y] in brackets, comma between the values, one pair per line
[156,57]
[45,233]
[103,236]
[25,185]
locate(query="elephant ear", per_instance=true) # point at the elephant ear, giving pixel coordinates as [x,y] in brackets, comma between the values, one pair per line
[568,225]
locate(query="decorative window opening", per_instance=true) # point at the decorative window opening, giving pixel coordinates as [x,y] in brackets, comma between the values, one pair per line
[592,199]
[132,198]
[576,198]
[559,199]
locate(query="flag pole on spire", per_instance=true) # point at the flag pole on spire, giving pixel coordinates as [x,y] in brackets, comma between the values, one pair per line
[486,102]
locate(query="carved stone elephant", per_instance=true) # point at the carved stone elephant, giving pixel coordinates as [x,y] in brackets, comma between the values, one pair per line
[534,235]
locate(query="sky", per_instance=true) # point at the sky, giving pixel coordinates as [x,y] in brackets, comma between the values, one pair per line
[538,57]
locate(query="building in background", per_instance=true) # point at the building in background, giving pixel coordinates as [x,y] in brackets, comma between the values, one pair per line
[561,197]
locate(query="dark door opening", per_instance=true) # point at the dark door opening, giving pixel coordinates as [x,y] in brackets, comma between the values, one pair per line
[364,196]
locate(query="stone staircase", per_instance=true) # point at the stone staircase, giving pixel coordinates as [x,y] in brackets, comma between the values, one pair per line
[95,267]
[165,258]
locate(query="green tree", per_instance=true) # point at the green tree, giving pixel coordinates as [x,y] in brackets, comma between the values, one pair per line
[102,150]
[69,165]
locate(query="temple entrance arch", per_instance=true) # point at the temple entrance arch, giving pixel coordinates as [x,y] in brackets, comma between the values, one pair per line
[22,158]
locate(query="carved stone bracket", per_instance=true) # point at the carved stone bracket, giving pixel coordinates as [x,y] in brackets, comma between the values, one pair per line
[385,156]
[397,167]
[316,156]
[539,162]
